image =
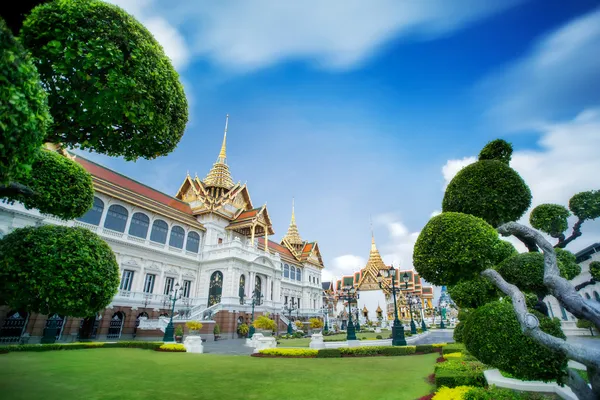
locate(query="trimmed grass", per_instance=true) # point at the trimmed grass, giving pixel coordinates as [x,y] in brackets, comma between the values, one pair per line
[142,374]
[304,342]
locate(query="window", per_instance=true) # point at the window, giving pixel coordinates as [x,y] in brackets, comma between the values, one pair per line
[317,281]
[187,287]
[193,242]
[139,225]
[159,231]
[169,283]
[271,290]
[587,296]
[220,240]
[242,288]
[293,273]
[298,302]
[298,275]
[286,271]
[258,289]
[116,218]
[286,299]
[597,296]
[177,236]
[215,288]
[149,283]
[126,280]
[94,214]
[293,301]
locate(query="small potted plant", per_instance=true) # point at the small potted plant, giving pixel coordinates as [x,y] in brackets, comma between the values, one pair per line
[217,332]
[316,324]
[194,327]
[243,330]
[178,334]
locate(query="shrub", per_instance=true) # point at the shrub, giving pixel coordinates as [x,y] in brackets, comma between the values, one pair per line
[550,218]
[290,352]
[298,335]
[488,189]
[316,323]
[495,393]
[329,353]
[440,255]
[457,372]
[473,293]
[453,355]
[243,330]
[216,330]
[586,205]
[425,348]
[595,270]
[299,325]
[457,335]
[378,337]
[363,351]
[455,393]
[454,348]
[178,330]
[439,345]
[498,149]
[194,325]
[493,334]
[79,346]
[172,347]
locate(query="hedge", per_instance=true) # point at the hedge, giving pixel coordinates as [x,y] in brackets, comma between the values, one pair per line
[79,346]
[454,348]
[495,393]
[377,351]
[427,348]
[289,352]
[329,353]
[172,347]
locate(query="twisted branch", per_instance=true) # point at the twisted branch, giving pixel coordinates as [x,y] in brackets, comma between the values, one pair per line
[562,242]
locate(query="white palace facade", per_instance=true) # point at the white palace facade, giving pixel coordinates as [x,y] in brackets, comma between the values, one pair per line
[209,238]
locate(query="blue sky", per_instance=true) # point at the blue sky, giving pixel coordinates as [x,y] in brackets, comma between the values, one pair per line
[367,108]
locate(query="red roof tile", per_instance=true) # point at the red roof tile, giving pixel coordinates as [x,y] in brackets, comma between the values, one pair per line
[247,214]
[120,180]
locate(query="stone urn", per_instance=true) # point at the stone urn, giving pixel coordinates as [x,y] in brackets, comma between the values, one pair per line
[193,344]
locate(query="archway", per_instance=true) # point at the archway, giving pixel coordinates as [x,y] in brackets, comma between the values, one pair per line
[13,326]
[215,288]
[60,324]
[115,326]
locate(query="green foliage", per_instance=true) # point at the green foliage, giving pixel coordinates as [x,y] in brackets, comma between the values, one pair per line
[493,334]
[364,351]
[585,324]
[425,348]
[499,150]
[454,246]
[289,352]
[496,393]
[595,270]
[57,269]
[567,264]
[111,87]
[531,300]
[80,346]
[473,293]
[329,353]
[178,330]
[172,348]
[459,372]
[488,189]
[550,218]
[457,335]
[216,330]
[455,393]
[265,323]
[454,348]
[243,329]
[62,187]
[24,116]
[463,314]
[315,323]
[378,337]
[586,205]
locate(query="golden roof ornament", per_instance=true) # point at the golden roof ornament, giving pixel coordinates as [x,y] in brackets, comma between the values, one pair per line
[292,236]
[219,175]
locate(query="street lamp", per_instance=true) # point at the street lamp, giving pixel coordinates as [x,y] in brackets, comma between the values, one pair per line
[411,300]
[420,308]
[398,338]
[256,300]
[349,293]
[289,310]
[442,314]
[173,297]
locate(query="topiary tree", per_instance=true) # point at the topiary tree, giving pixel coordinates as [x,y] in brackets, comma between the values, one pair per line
[96,79]
[585,324]
[457,246]
[595,275]
[77,281]
[473,293]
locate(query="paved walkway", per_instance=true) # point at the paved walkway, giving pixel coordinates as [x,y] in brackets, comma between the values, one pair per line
[436,336]
[227,346]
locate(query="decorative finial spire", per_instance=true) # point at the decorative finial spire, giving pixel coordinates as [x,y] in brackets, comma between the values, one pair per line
[293,215]
[219,175]
[292,235]
[223,154]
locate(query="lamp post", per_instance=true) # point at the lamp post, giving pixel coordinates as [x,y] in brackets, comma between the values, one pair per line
[256,300]
[442,314]
[173,297]
[398,338]
[412,300]
[289,310]
[420,307]
[349,293]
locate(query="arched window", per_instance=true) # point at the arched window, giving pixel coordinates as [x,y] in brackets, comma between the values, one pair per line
[116,218]
[298,275]
[116,325]
[293,273]
[242,289]
[139,225]
[564,313]
[215,288]
[94,214]
[258,289]
[177,236]
[587,296]
[193,242]
[159,231]
[286,271]
[597,296]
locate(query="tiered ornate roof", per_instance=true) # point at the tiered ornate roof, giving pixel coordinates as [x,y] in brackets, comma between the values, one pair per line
[219,175]
[302,251]
[367,279]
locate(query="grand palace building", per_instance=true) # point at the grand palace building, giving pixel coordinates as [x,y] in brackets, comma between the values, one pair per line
[209,240]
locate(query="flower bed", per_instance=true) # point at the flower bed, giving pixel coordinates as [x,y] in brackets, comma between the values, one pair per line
[172,347]
[80,345]
[287,353]
[366,351]
[459,372]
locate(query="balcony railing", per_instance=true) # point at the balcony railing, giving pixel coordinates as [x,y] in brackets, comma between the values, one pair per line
[153,300]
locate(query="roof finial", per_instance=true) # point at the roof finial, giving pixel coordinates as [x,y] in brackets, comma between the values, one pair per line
[373,248]
[293,215]
[223,154]
[292,234]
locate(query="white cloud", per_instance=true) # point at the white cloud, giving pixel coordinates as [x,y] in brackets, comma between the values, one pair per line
[561,76]
[451,168]
[335,34]
[343,265]
[435,213]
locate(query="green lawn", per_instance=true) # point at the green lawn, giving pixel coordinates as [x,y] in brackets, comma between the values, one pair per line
[304,342]
[144,374]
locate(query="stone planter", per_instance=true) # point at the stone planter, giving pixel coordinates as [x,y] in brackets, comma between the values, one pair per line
[178,339]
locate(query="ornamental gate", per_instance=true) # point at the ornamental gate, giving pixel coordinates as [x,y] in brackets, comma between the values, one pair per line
[94,330]
[60,323]
[13,327]
[116,325]
[215,288]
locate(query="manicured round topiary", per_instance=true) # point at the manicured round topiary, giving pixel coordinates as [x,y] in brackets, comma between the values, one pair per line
[567,264]
[463,314]
[57,269]
[504,250]
[550,218]
[499,150]
[595,270]
[488,189]
[111,87]
[454,247]
[473,293]
[492,334]
[586,205]
[457,335]
[62,187]
[24,116]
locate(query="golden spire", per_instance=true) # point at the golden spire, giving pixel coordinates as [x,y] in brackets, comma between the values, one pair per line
[219,175]
[292,235]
